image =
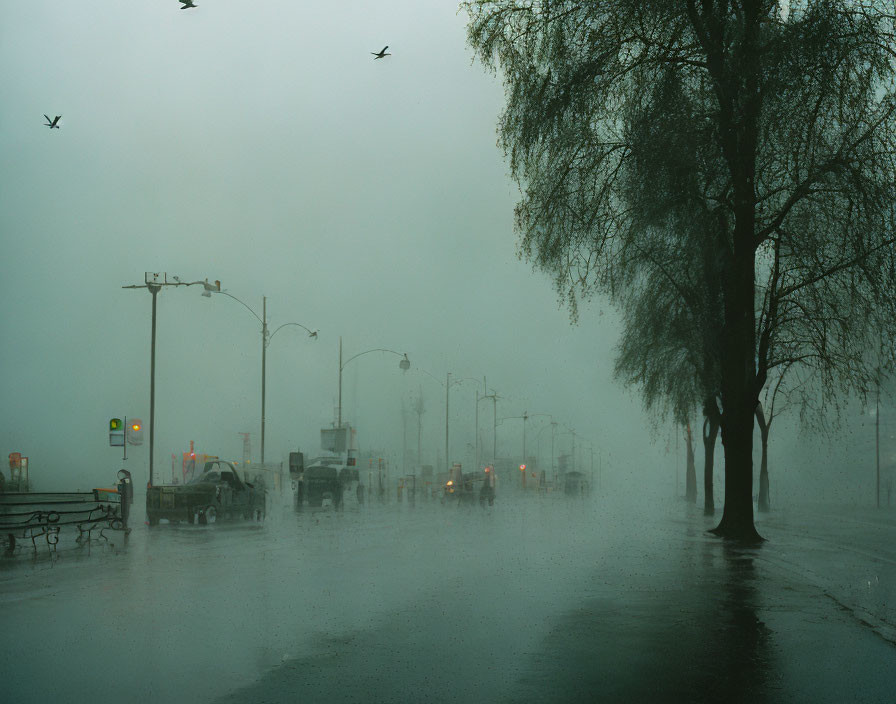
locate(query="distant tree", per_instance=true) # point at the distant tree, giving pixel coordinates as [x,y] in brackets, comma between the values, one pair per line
[690,481]
[777,120]
[668,351]
[670,344]
[764,421]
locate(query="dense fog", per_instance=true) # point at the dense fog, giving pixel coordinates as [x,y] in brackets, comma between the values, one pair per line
[366,199]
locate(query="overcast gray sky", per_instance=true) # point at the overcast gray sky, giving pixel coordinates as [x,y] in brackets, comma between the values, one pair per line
[261,144]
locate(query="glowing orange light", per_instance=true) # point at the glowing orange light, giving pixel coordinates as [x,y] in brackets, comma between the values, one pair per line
[135,426]
[522,468]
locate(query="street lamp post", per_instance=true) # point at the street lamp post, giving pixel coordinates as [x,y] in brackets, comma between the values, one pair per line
[419,409]
[478,399]
[447,390]
[404,364]
[153,283]
[525,417]
[265,341]
[447,385]
[154,290]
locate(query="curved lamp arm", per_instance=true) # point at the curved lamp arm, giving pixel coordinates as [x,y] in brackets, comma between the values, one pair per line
[459,379]
[431,376]
[311,333]
[380,349]
[224,293]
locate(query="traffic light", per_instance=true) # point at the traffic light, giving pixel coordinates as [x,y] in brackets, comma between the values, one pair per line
[522,468]
[135,431]
[116,433]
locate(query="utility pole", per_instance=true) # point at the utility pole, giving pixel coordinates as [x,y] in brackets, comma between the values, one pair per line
[447,394]
[419,409]
[154,290]
[494,429]
[524,463]
[525,418]
[339,412]
[476,433]
[153,284]
[553,433]
[264,351]
[404,438]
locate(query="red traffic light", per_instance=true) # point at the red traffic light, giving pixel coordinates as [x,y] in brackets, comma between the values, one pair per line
[135,431]
[522,468]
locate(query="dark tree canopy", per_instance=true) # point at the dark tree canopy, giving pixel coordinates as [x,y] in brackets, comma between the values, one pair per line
[751,141]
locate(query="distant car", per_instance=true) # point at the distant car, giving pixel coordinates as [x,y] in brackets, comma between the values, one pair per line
[465,487]
[328,481]
[216,494]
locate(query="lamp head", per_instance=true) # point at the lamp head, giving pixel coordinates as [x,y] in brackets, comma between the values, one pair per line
[208,289]
[404,364]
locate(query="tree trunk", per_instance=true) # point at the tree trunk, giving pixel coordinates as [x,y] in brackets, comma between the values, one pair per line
[738,382]
[734,64]
[763,504]
[691,473]
[710,433]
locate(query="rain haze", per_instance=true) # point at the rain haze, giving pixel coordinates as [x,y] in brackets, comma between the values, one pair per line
[267,150]
[533,531]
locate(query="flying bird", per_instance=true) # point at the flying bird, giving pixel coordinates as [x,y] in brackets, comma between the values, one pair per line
[380,54]
[187,4]
[53,123]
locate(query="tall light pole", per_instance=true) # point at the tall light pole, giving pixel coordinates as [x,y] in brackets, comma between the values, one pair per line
[523,463]
[419,409]
[265,341]
[552,425]
[571,431]
[447,385]
[153,282]
[478,399]
[404,364]
[447,394]
[553,435]
[526,417]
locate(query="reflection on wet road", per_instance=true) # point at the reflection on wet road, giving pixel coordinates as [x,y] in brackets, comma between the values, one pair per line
[536,601]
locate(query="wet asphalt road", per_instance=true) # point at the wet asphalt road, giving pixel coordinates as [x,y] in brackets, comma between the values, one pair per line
[536,600]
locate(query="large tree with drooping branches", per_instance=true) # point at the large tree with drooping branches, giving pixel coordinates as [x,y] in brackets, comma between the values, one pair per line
[774,121]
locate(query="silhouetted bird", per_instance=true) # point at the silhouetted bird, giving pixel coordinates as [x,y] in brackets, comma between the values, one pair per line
[187,4]
[381,54]
[53,123]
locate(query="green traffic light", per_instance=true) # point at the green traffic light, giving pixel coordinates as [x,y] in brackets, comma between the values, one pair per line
[115,424]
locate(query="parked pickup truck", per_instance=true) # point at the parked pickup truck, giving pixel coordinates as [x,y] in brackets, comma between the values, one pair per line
[216,494]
